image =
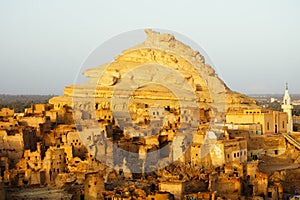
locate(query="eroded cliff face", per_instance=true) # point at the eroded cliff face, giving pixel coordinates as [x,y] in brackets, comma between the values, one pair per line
[162,69]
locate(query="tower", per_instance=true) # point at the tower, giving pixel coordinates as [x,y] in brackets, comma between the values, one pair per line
[287,107]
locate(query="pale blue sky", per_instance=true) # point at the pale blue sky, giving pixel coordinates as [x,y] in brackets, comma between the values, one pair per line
[255,45]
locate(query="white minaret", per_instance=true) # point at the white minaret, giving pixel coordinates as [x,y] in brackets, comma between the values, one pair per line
[287,107]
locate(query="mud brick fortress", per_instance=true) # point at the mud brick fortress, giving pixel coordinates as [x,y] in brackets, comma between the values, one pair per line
[156,123]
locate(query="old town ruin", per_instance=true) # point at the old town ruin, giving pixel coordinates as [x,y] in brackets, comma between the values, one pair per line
[156,123]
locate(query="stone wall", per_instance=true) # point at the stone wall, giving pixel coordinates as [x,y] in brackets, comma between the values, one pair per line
[177,188]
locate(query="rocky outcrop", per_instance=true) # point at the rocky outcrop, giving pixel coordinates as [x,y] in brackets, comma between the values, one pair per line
[159,60]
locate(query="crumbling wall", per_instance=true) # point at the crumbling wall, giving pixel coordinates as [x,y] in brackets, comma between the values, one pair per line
[229,187]
[177,188]
[11,146]
[93,186]
[6,112]
[74,140]
[275,145]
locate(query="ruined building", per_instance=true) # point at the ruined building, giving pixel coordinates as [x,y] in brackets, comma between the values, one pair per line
[156,123]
